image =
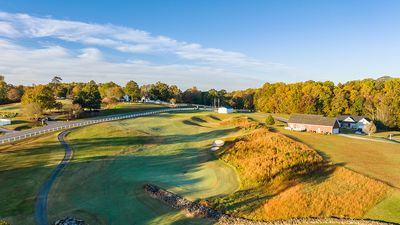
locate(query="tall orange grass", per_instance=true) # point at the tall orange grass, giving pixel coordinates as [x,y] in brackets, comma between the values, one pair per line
[263,156]
[282,178]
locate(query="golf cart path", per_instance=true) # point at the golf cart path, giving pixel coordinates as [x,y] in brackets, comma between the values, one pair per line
[41,199]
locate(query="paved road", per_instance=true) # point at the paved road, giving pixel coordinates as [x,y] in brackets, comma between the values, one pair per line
[366,139]
[41,199]
[11,137]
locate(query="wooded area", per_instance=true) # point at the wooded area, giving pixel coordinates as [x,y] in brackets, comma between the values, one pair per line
[378,99]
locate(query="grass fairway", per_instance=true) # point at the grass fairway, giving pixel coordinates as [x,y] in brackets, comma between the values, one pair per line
[23,169]
[112,161]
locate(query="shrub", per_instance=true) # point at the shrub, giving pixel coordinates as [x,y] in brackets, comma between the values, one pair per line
[270,120]
[369,128]
[2,222]
[33,111]
[8,114]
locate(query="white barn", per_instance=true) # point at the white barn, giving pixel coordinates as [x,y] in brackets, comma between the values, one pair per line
[225,110]
[5,122]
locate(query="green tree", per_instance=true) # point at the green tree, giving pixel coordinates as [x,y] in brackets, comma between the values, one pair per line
[269,120]
[2,222]
[89,97]
[192,96]
[160,91]
[3,92]
[176,93]
[132,89]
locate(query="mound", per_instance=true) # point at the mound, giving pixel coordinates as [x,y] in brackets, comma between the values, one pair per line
[240,121]
[263,156]
[283,179]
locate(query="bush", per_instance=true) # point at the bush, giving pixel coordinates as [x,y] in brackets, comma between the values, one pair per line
[369,129]
[2,222]
[8,114]
[270,120]
[33,111]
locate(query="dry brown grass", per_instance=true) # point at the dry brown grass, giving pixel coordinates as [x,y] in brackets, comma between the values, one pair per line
[263,156]
[344,193]
[240,121]
[282,178]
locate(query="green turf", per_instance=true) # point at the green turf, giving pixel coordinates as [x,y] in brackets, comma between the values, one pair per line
[23,169]
[112,161]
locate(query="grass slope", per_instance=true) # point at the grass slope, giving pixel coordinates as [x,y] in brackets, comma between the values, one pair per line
[112,161]
[23,169]
[282,179]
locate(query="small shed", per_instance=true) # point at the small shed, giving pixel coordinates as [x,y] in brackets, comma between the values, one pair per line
[5,122]
[225,110]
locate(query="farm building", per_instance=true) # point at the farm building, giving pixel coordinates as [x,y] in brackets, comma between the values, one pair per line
[225,110]
[353,122]
[5,122]
[313,123]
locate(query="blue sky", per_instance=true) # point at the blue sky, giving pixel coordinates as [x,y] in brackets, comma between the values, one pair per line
[220,43]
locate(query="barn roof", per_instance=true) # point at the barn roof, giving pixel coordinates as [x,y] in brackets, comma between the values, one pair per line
[312,119]
[355,118]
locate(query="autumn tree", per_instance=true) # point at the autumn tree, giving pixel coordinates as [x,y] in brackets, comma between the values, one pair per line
[175,93]
[14,94]
[32,110]
[42,95]
[369,128]
[192,96]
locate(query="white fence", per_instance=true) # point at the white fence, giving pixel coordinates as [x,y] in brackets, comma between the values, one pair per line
[40,131]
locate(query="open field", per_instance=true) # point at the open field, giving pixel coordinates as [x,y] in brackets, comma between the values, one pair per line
[110,168]
[374,159]
[23,169]
[283,179]
[113,160]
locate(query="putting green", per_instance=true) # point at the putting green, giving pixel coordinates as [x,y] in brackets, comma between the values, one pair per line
[112,161]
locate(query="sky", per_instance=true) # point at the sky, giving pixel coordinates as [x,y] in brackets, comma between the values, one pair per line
[222,44]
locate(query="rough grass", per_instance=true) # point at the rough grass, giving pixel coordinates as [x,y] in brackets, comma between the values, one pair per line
[263,156]
[240,121]
[282,178]
[342,194]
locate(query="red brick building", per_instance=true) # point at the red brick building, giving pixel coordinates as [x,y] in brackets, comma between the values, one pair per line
[313,123]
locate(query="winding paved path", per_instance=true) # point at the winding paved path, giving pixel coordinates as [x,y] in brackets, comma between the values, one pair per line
[41,199]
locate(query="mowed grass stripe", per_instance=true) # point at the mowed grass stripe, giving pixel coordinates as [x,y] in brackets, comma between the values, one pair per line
[103,184]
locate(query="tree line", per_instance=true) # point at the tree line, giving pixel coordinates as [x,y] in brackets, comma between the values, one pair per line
[378,99]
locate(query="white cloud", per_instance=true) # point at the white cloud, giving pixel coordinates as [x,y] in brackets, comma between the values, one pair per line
[116,37]
[192,64]
[29,65]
